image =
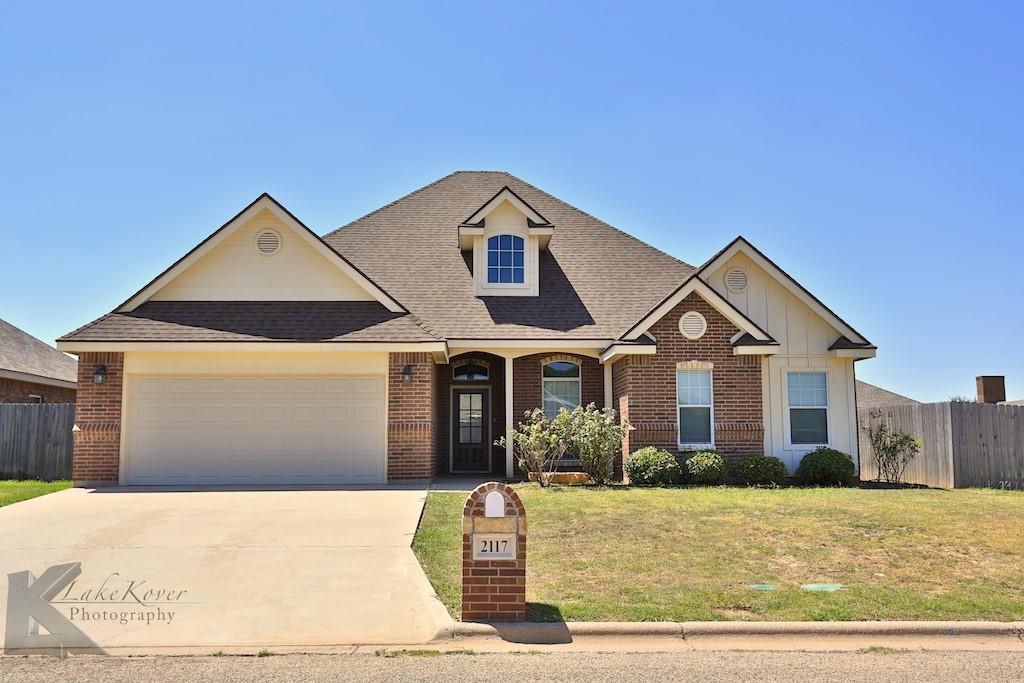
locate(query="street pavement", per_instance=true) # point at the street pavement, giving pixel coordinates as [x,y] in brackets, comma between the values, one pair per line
[707,667]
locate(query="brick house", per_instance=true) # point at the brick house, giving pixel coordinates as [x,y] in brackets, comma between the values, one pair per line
[404,343]
[32,371]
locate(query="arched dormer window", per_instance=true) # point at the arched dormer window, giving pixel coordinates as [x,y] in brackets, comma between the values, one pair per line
[561,386]
[470,372]
[505,259]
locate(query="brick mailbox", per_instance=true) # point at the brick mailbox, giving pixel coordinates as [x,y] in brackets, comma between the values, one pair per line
[493,555]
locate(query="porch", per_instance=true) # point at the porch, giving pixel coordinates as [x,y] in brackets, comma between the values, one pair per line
[477,394]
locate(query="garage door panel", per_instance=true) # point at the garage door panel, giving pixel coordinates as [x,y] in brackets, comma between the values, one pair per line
[256,430]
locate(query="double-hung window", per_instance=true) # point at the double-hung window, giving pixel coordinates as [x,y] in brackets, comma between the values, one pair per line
[505,263]
[807,394]
[696,408]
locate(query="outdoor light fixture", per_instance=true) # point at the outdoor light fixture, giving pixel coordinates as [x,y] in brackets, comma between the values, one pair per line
[407,374]
[99,375]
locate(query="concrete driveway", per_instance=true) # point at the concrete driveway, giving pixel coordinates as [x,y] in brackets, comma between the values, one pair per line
[258,568]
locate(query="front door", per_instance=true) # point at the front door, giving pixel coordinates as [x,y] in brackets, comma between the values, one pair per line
[471,438]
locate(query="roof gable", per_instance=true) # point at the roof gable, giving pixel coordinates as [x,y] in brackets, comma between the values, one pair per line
[227,266]
[694,284]
[741,246]
[506,194]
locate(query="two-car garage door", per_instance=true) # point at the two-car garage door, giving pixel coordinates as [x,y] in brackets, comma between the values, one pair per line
[255,430]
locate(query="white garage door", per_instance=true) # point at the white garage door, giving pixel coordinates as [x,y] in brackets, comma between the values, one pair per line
[255,430]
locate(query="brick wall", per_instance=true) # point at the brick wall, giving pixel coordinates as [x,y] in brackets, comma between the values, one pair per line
[98,420]
[527,393]
[17,391]
[644,387]
[412,417]
[493,590]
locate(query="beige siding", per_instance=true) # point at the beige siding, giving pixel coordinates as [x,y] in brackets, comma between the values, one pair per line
[235,271]
[804,338]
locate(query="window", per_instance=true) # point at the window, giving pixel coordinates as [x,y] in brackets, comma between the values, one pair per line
[470,372]
[561,387]
[807,394]
[693,391]
[471,418]
[505,259]
[35,398]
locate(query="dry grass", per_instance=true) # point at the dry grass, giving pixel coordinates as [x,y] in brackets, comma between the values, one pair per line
[691,554]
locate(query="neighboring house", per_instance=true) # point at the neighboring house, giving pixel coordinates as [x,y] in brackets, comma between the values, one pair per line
[403,344]
[32,371]
[869,396]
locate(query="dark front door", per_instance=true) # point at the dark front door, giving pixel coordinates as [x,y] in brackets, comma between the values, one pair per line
[471,438]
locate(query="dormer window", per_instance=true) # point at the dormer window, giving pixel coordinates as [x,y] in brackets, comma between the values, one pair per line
[506,236]
[505,259]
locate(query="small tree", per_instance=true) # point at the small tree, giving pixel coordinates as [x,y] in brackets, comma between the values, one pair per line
[595,436]
[893,450]
[537,443]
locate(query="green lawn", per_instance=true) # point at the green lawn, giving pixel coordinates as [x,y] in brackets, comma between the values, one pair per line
[691,554]
[16,491]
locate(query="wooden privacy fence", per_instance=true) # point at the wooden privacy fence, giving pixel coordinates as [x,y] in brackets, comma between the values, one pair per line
[36,440]
[964,444]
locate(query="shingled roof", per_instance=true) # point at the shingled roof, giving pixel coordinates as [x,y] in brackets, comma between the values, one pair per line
[22,353]
[595,280]
[870,396]
[255,321]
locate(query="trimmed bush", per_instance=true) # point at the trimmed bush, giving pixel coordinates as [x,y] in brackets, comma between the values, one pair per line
[825,467]
[706,468]
[652,466]
[759,470]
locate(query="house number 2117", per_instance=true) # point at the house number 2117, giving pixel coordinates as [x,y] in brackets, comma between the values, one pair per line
[493,546]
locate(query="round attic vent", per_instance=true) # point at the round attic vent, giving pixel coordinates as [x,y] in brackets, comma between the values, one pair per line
[268,242]
[736,280]
[692,325]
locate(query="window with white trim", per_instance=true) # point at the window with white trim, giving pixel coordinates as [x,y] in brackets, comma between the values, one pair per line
[807,400]
[560,387]
[35,398]
[505,259]
[696,408]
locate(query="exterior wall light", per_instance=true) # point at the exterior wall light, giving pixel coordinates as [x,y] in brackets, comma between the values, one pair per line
[407,374]
[99,375]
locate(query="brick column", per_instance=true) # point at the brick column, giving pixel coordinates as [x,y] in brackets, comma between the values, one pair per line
[412,416]
[494,572]
[97,431]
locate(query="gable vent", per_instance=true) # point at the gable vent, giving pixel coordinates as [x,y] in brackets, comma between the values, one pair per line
[736,280]
[692,325]
[268,242]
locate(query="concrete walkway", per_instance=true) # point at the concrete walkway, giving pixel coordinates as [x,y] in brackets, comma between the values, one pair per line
[260,568]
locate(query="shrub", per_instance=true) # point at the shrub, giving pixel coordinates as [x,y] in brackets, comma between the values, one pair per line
[652,466]
[893,450]
[537,444]
[706,467]
[825,467]
[756,469]
[594,436]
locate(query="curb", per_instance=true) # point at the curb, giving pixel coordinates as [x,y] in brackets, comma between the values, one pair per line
[562,632]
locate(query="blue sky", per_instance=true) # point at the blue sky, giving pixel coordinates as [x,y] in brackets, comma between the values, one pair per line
[874,150]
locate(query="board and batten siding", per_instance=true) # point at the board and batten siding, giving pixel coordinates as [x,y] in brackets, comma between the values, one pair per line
[236,271]
[804,339]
